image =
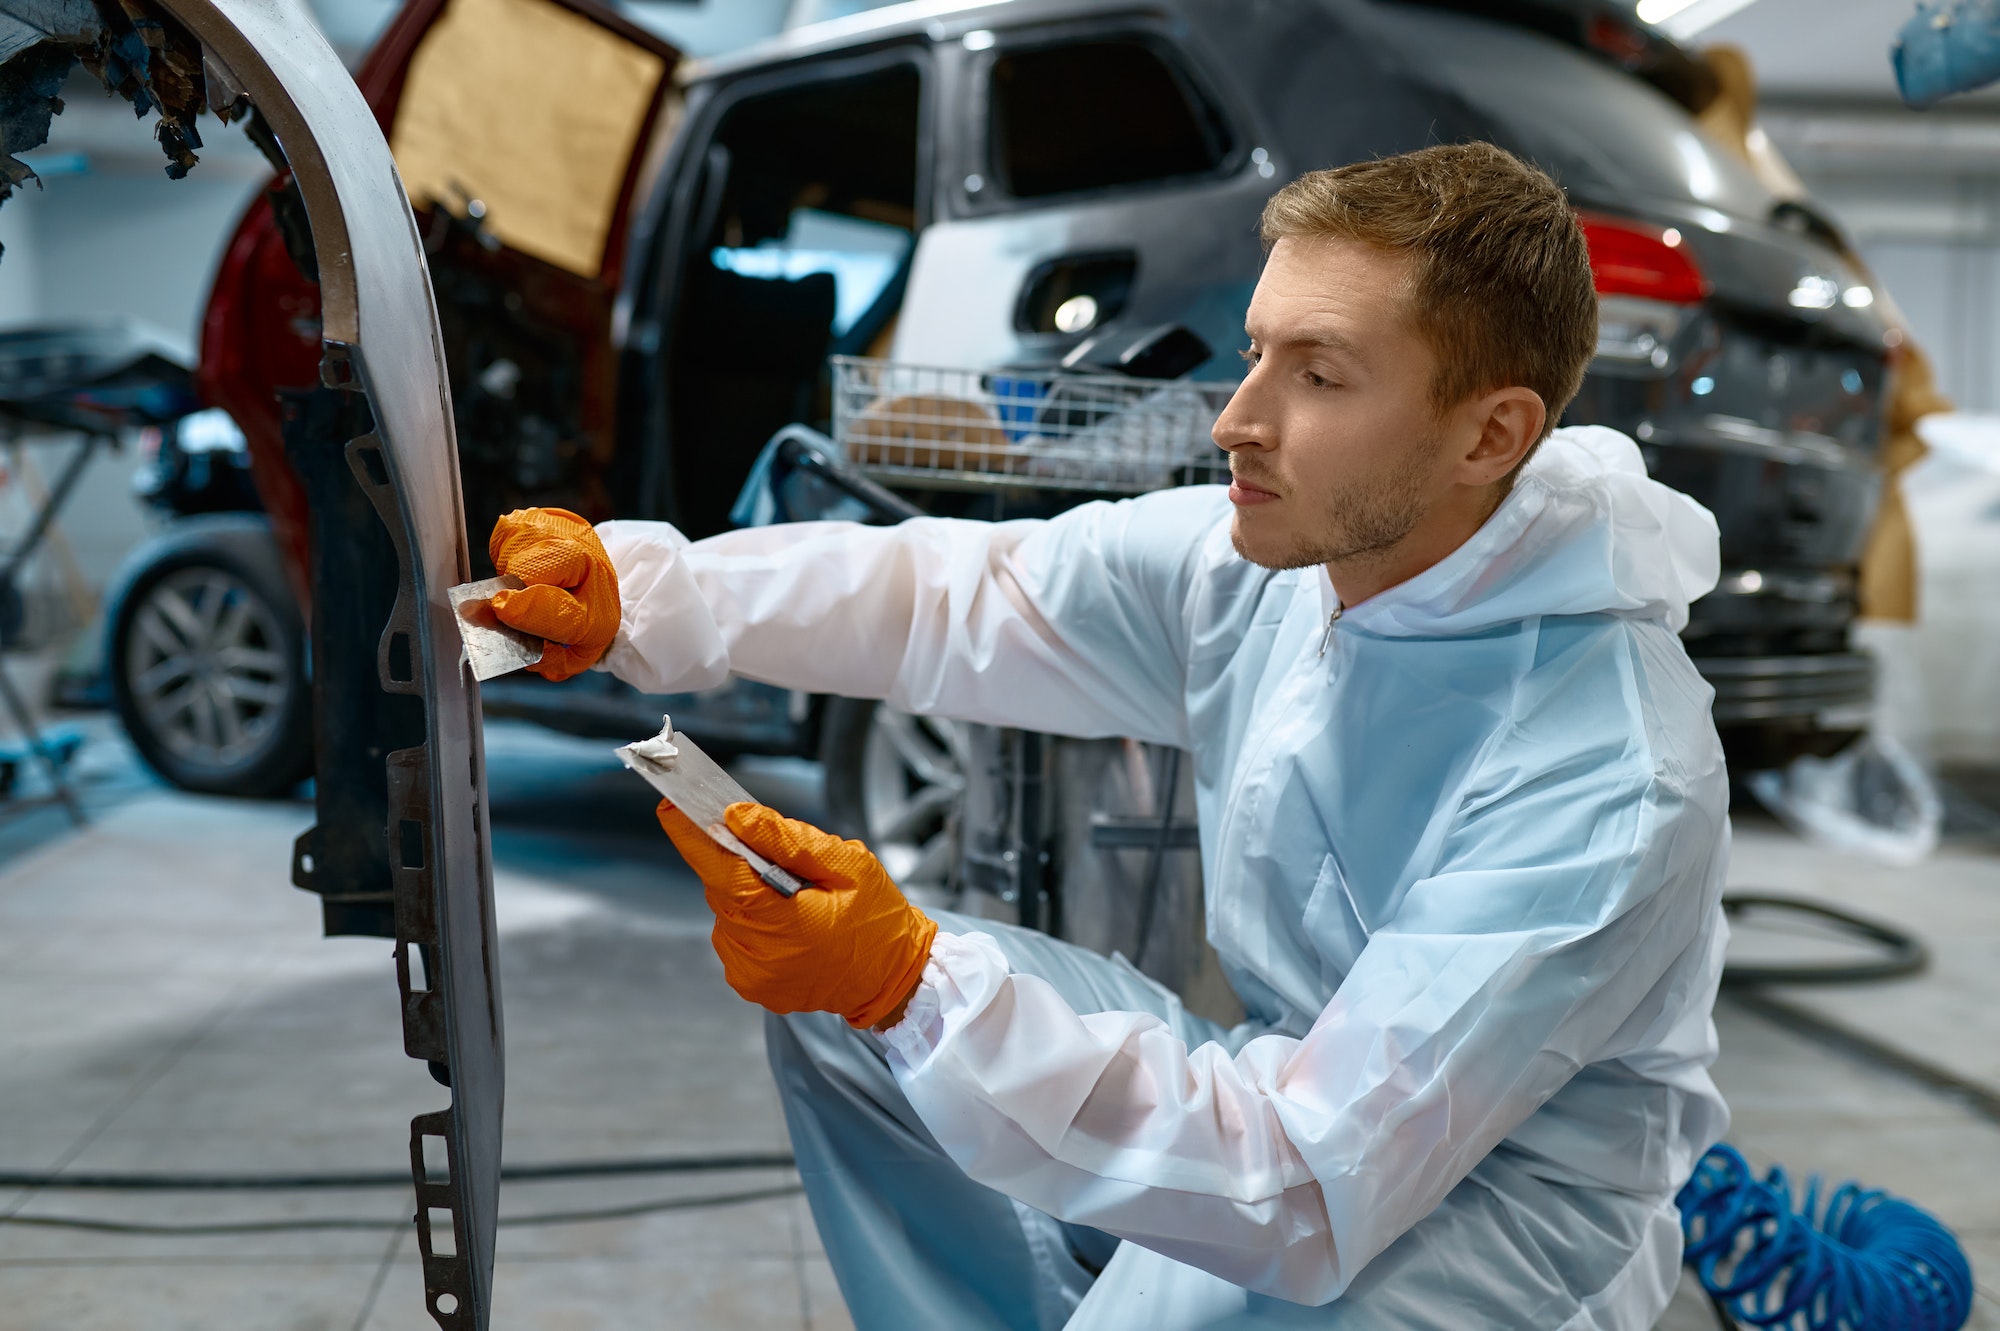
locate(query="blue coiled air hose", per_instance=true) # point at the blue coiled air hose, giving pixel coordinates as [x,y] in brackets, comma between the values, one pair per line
[1865,1262]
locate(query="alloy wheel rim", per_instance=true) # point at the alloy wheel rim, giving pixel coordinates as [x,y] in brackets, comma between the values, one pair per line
[205,668]
[912,782]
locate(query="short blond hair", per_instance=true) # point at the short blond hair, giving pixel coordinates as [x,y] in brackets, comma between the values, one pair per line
[1500,285]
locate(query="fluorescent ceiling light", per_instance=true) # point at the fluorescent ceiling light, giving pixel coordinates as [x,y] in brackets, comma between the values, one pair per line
[1682,19]
[1658,11]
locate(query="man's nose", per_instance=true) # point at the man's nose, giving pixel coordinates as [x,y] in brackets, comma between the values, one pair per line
[1244,424]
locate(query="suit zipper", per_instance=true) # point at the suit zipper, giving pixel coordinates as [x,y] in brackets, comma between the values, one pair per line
[1240,780]
[1326,639]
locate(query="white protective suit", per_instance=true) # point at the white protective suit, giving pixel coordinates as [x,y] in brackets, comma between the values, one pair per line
[1463,856]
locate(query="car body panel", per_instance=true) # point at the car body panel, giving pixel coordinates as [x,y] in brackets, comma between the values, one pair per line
[378,319]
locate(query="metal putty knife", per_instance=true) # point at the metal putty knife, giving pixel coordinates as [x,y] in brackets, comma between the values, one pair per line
[491,648]
[699,788]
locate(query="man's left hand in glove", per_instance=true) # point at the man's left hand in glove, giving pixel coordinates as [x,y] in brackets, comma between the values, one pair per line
[571,597]
[850,942]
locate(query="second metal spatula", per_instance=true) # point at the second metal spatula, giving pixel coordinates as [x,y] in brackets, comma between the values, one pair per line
[699,788]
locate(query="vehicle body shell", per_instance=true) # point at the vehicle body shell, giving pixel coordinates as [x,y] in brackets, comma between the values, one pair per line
[1767,412]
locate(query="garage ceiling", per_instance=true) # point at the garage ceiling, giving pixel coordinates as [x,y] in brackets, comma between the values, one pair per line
[1819,48]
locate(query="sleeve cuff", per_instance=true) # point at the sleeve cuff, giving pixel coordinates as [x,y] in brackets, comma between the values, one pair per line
[959,981]
[668,641]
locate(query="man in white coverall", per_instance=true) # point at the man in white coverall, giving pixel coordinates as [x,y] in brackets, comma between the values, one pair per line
[1462,823]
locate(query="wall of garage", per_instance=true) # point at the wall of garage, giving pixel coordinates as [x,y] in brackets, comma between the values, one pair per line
[711,26]
[110,245]
[1947,284]
[108,236]
[1919,191]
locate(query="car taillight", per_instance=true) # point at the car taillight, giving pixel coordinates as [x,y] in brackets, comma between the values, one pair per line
[1638,333]
[1650,262]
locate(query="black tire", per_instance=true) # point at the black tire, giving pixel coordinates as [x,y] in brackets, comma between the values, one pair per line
[213,590]
[909,812]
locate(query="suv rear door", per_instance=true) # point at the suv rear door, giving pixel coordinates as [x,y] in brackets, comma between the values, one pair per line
[521,130]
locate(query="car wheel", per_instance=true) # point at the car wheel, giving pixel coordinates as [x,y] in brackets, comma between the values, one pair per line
[207,660]
[897,782]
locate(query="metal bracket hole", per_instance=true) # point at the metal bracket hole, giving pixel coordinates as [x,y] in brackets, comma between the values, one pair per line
[444,1243]
[412,847]
[401,667]
[437,1159]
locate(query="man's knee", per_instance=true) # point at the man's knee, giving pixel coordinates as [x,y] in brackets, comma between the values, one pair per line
[812,1036]
[814,1042]
[817,1056]
[841,1100]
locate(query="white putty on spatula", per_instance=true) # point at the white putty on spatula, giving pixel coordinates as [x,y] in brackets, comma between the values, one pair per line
[699,788]
[661,747]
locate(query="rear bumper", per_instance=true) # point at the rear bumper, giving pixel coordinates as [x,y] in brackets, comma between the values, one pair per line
[1823,691]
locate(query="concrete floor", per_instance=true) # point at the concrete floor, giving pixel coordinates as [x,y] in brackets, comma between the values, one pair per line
[169,1006]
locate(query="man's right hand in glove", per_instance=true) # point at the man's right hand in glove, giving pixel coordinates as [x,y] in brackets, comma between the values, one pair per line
[571,600]
[849,942]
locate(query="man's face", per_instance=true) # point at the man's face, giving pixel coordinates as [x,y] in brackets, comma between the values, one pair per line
[1336,447]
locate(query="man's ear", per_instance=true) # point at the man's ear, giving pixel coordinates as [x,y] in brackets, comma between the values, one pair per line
[1509,421]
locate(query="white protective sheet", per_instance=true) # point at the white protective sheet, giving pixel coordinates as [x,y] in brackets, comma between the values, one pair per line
[1464,865]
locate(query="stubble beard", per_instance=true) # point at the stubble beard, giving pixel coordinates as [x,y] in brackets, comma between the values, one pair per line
[1357,520]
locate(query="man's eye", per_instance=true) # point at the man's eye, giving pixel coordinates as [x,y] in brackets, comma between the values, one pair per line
[1318,380]
[1250,357]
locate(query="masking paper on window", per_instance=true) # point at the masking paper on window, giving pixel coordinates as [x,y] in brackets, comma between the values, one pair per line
[534,111]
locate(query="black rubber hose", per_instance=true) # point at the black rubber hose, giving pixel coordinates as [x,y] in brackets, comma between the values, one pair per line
[566,1169]
[295,1224]
[1901,954]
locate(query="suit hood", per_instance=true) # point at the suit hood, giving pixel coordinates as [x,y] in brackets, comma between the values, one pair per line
[1585,531]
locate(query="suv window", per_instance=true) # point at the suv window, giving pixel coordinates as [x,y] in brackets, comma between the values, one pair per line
[1088,115]
[864,257]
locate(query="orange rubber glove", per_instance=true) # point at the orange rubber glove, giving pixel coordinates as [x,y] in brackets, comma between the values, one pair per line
[571,600]
[850,943]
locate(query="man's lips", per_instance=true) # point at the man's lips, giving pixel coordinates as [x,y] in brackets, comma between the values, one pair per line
[1245,494]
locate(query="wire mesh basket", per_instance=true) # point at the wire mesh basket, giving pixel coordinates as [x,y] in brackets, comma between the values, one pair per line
[927,426]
